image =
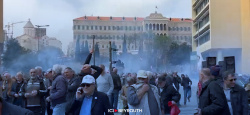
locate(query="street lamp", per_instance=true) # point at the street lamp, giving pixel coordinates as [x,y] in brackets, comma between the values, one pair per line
[39,34]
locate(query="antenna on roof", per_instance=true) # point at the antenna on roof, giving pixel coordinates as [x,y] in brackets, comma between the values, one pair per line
[156,9]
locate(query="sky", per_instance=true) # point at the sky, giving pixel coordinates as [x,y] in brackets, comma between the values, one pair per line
[59,14]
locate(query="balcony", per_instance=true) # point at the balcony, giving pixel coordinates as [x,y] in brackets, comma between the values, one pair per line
[196,3]
[202,30]
[203,12]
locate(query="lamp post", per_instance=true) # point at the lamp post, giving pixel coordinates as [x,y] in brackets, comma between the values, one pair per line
[39,34]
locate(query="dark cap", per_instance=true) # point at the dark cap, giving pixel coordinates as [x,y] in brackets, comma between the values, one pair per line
[215,70]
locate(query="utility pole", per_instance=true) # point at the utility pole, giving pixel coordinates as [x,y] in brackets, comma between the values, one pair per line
[94,48]
[110,56]
[39,34]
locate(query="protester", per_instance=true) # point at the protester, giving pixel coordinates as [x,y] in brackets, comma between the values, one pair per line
[143,96]
[117,88]
[18,98]
[186,83]
[58,91]
[6,88]
[87,69]
[33,92]
[130,81]
[73,84]
[237,98]
[48,83]
[167,93]
[105,83]
[88,101]
[212,100]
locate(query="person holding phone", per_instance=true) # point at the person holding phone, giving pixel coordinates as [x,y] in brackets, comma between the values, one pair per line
[89,101]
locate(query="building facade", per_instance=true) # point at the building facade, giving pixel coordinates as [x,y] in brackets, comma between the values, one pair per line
[33,37]
[220,31]
[133,29]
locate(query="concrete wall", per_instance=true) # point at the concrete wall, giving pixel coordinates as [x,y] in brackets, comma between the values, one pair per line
[225,23]
[245,26]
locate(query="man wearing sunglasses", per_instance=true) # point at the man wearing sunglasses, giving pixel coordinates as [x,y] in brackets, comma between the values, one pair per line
[89,101]
[236,95]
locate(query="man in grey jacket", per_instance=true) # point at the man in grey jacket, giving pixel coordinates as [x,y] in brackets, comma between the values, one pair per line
[143,96]
[58,91]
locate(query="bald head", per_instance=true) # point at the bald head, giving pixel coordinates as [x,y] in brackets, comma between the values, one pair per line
[205,75]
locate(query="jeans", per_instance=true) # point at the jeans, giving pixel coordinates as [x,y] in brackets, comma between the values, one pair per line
[187,93]
[59,109]
[114,98]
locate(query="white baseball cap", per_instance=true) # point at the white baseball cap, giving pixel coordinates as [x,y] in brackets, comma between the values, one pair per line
[88,79]
[142,74]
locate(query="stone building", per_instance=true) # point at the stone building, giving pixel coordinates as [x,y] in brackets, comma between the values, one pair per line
[32,37]
[133,29]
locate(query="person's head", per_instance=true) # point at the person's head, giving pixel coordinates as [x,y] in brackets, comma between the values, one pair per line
[215,71]
[48,74]
[19,76]
[103,68]
[88,84]
[205,75]
[115,70]
[39,70]
[86,69]
[142,76]
[182,75]
[57,69]
[130,80]
[33,73]
[149,74]
[161,81]
[229,79]
[68,73]
[6,76]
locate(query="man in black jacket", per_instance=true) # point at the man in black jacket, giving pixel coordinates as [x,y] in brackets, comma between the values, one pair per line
[236,95]
[117,88]
[212,100]
[167,93]
[186,83]
[90,101]
[87,69]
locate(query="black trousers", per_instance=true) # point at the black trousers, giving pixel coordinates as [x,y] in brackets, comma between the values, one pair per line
[36,110]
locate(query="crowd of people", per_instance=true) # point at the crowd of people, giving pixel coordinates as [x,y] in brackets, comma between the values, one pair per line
[95,91]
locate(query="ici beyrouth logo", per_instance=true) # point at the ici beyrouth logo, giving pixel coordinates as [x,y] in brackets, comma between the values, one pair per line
[124,110]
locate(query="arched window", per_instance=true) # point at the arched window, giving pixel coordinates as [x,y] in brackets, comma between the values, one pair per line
[150,26]
[146,26]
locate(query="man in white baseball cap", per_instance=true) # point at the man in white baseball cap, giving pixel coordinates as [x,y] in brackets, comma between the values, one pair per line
[89,101]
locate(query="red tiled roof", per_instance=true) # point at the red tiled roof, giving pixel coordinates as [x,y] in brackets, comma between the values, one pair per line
[181,19]
[108,18]
[127,18]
